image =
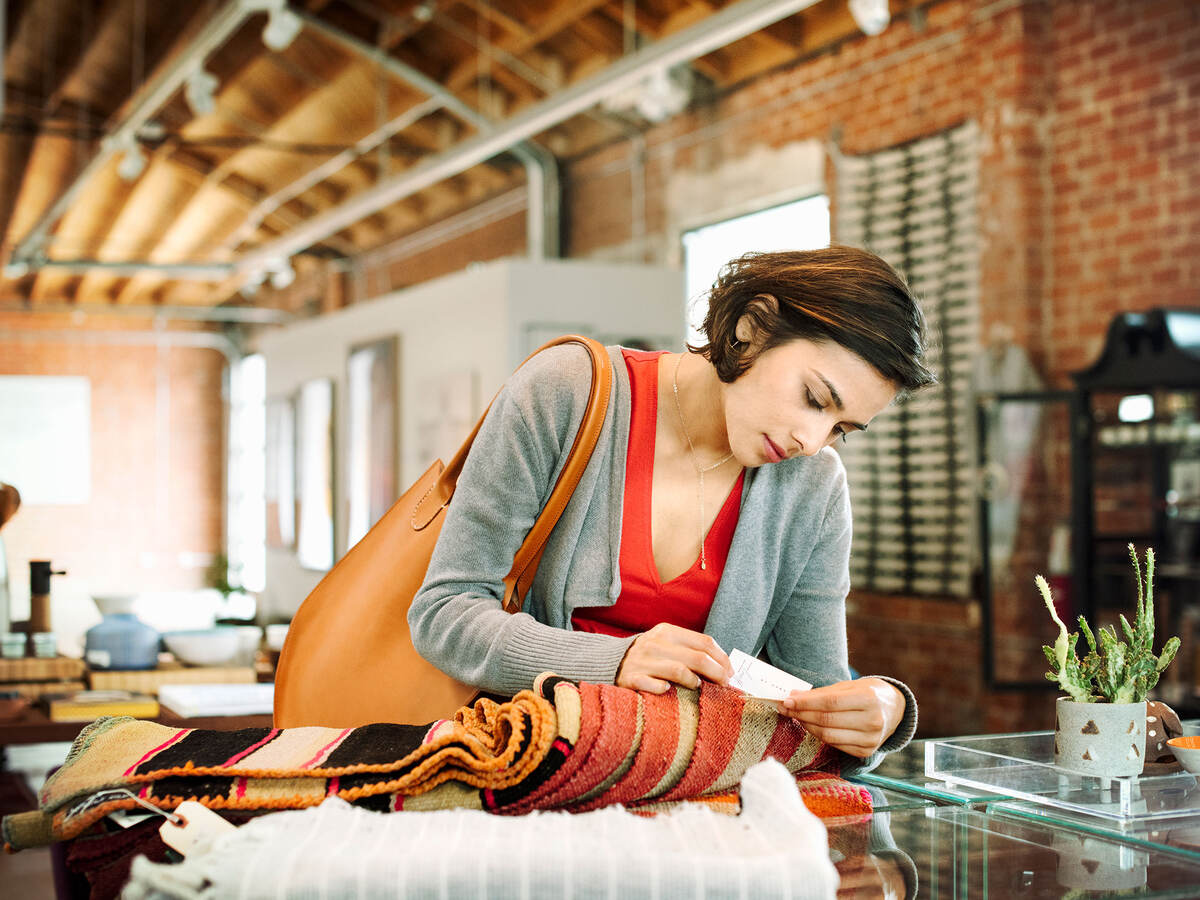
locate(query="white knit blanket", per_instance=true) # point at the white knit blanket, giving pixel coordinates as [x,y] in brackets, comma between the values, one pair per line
[775,848]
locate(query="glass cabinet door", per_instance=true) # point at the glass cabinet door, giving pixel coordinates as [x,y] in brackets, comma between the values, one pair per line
[1025,528]
[1142,484]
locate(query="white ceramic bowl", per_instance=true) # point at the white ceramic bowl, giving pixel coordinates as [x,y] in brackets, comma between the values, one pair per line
[1187,751]
[114,604]
[204,647]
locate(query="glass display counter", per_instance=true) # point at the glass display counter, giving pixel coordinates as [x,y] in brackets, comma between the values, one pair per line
[1021,766]
[955,852]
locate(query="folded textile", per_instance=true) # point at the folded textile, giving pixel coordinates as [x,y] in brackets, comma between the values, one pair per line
[565,745]
[775,848]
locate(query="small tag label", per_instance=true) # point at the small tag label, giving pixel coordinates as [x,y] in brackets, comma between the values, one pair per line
[199,828]
[761,680]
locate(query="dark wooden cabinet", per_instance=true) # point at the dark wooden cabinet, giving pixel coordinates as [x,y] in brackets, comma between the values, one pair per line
[1137,480]
[1069,479]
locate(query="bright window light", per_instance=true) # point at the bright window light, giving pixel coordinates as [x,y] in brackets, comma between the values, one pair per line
[246,525]
[799,225]
[1136,408]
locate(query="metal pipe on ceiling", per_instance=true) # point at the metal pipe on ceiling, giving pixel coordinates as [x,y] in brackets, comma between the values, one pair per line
[245,315]
[541,168]
[203,340]
[151,98]
[183,271]
[721,28]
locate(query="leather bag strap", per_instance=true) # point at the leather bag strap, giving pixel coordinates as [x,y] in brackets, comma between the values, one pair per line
[525,563]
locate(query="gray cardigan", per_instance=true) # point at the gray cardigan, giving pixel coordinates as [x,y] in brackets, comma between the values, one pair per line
[781,596]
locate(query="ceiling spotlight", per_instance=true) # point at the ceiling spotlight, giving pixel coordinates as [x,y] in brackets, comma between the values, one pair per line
[872,16]
[282,27]
[424,11]
[133,161]
[200,91]
[657,96]
[281,273]
[16,269]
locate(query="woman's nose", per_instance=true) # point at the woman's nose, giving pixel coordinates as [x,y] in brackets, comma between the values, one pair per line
[806,440]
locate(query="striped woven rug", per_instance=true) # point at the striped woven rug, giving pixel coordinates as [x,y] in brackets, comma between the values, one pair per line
[564,745]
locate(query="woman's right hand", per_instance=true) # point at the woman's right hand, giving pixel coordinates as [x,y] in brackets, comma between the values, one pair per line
[668,654]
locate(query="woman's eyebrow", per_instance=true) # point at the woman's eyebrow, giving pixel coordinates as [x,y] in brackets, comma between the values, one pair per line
[837,398]
[837,401]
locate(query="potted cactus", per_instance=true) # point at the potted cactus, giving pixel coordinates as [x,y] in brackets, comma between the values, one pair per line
[1100,725]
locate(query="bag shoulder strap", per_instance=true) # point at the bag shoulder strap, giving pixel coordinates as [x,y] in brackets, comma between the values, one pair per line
[525,563]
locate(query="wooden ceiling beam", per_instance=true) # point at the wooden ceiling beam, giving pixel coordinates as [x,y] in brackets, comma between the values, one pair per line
[82,50]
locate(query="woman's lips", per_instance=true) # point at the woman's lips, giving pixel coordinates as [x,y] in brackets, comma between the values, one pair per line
[774,452]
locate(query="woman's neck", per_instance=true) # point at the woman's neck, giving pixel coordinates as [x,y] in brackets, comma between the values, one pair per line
[701,404]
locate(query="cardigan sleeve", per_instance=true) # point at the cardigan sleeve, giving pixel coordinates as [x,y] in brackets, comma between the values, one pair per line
[809,638]
[456,619]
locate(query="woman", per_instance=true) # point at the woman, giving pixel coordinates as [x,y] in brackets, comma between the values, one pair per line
[713,513]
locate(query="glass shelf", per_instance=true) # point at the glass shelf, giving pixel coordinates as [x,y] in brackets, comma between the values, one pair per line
[1021,767]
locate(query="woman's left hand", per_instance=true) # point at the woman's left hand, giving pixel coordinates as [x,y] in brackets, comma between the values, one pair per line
[855,716]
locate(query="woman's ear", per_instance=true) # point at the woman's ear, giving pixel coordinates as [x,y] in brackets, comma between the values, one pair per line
[762,306]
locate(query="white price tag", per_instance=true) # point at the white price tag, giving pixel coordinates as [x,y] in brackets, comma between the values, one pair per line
[198,828]
[761,680]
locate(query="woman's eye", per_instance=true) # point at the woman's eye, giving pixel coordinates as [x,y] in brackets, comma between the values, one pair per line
[812,401]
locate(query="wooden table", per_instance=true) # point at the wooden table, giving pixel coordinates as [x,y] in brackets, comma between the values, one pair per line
[35,727]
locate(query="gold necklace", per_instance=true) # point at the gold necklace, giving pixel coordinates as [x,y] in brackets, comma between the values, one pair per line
[700,470]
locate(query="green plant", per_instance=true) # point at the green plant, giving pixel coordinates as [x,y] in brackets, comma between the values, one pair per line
[1112,671]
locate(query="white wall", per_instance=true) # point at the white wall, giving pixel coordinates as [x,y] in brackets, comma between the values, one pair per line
[483,320]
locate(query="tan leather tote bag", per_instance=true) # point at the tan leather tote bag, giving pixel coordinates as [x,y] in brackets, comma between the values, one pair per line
[349,659]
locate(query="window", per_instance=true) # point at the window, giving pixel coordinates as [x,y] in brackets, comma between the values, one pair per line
[799,225]
[246,525]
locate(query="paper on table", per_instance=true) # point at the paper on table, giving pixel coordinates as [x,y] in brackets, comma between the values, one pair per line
[763,680]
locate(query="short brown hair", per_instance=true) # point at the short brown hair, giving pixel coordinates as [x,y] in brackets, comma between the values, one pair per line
[838,293]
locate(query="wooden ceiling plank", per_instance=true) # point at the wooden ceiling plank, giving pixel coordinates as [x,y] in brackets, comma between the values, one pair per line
[83,52]
[485,9]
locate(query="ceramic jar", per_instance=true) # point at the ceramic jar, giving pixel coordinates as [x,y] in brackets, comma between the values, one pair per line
[1103,739]
[121,641]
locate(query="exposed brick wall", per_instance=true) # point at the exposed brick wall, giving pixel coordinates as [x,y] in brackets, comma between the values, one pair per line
[155,516]
[1125,136]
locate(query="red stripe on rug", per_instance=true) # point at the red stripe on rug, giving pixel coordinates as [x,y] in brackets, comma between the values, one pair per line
[717,736]
[270,736]
[660,737]
[241,788]
[613,745]
[785,741]
[333,786]
[327,749]
[660,742]
[163,746]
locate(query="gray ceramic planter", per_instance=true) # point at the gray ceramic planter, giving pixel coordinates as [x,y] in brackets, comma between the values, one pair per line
[1102,739]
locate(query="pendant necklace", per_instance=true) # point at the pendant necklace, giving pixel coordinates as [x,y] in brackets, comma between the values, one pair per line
[700,470]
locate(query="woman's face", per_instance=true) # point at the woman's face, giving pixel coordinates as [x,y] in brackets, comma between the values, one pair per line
[799,397]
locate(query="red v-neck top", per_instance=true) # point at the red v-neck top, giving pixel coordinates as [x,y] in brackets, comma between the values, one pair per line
[645,601]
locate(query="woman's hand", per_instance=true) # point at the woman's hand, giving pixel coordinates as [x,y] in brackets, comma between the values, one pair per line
[669,654]
[855,716]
